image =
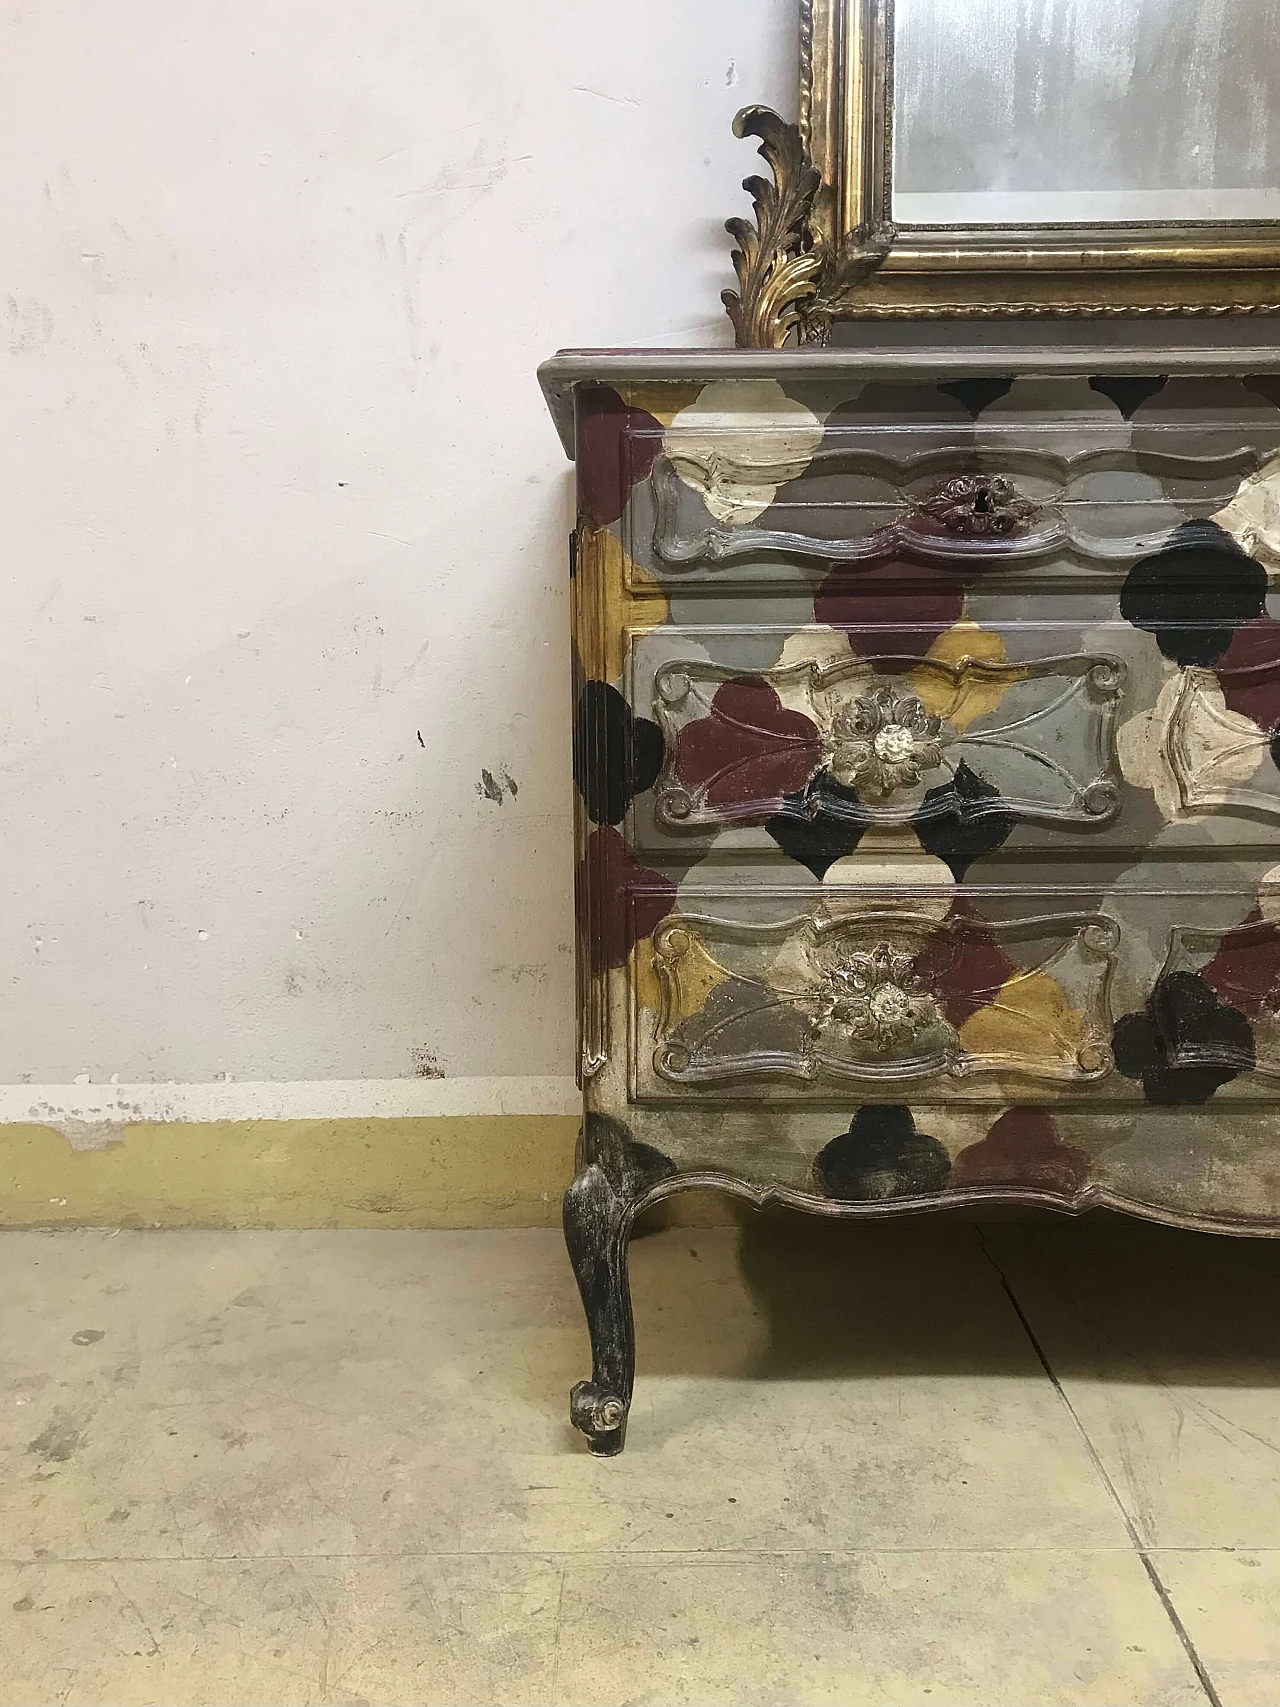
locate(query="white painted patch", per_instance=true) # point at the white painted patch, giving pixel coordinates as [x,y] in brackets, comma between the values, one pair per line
[738,442]
[92,1116]
[885,861]
[1252,518]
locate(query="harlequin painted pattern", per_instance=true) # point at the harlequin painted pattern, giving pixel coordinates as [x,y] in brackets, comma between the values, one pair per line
[927,752]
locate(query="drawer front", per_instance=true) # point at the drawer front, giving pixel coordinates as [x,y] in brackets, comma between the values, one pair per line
[746,485]
[992,741]
[963,996]
[892,733]
[854,997]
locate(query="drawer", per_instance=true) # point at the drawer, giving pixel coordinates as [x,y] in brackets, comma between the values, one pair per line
[746,487]
[875,728]
[852,996]
[959,995]
[982,740]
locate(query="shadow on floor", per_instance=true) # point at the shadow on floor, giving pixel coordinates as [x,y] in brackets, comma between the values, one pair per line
[1110,1298]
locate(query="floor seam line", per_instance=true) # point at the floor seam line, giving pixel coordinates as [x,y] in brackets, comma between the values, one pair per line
[554,1553]
[1162,1593]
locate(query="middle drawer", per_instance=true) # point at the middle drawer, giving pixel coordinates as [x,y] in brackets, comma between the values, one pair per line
[1021,738]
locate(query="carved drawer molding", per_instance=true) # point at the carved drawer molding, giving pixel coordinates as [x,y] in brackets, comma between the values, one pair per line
[1230,1019]
[875,997]
[892,733]
[1021,506]
[1214,752]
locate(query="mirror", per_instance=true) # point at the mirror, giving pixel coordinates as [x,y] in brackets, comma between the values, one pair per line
[1043,112]
[995,158]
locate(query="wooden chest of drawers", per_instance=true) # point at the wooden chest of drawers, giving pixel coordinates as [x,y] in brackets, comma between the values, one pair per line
[927,754]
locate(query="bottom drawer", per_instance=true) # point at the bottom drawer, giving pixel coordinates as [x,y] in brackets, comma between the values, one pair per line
[970,994]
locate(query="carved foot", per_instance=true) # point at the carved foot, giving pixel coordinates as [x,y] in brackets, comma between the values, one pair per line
[601,1416]
[614,1174]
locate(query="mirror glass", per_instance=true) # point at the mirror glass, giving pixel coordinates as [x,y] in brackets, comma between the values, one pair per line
[1031,112]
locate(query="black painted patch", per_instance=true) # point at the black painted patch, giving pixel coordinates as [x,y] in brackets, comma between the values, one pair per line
[880,1156]
[630,1166]
[1194,594]
[1263,385]
[960,835]
[814,828]
[615,756]
[978,394]
[1185,1044]
[1128,390]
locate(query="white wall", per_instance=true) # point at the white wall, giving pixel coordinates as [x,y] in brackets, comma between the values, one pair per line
[279,492]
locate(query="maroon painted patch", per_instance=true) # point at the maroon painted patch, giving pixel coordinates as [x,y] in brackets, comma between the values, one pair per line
[963,967]
[1245,970]
[617,446]
[618,901]
[1023,1149]
[1249,671]
[891,607]
[748,751]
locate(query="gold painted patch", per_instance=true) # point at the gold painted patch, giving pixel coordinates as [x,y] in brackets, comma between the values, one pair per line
[976,693]
[696,976]
[1029,1020]
[663,402]
[612,595]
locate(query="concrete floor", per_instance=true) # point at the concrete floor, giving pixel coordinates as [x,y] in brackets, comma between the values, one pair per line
[335,1467]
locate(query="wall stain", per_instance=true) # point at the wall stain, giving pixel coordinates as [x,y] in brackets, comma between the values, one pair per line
[87,1134]
[426,1065]
[490,787]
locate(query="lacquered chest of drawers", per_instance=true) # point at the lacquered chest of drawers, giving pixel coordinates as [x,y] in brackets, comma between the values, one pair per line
[927,764]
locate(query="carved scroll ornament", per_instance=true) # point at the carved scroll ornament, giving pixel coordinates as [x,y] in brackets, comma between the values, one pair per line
[776,261]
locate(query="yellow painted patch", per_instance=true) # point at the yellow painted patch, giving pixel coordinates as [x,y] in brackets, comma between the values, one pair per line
[977,692]
[697,975]
[613,595]
[1029,1020]
[663,402]
[441,1171]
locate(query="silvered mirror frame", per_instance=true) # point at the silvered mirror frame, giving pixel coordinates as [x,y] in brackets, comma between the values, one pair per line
[823,246]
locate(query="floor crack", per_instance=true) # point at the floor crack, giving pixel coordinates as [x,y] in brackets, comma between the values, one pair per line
[1148,1564]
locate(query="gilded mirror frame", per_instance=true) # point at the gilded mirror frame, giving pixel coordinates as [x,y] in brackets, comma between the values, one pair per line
[823,246]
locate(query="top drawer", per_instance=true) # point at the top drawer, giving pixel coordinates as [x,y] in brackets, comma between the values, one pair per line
[745,485]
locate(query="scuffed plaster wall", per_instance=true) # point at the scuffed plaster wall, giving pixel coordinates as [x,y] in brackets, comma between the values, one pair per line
[284,518]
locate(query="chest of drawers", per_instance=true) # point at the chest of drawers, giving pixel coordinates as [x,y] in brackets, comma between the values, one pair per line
[927,765]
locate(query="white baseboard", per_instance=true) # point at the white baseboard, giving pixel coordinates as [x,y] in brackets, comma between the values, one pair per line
[308,1099]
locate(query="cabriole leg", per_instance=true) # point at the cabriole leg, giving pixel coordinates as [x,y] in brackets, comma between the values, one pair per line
[597,1228]
[614,1173]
